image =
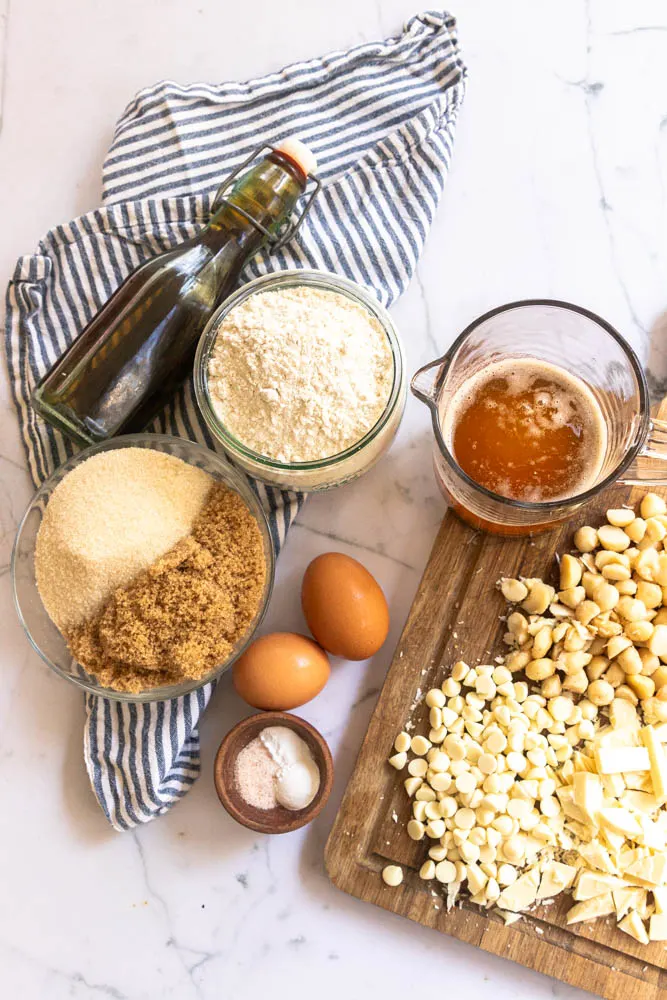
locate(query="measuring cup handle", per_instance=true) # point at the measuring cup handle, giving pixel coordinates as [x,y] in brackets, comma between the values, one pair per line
[650,466]
[424,382]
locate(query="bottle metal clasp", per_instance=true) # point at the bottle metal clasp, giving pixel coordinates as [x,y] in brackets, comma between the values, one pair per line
[276,239]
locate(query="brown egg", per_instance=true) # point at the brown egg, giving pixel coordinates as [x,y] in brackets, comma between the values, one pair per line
[280,671]
[344,606]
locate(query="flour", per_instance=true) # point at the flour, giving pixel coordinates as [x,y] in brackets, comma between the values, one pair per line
[300,374]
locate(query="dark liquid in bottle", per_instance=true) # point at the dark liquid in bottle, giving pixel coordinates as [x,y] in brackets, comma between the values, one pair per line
[153,323]
[126,364]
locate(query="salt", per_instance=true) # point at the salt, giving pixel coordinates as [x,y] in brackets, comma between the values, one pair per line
[277,769]
[255,773]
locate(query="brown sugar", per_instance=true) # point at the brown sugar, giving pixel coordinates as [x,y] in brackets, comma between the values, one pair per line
[181,617]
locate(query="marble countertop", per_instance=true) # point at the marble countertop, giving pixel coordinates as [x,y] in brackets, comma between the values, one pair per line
[558,190]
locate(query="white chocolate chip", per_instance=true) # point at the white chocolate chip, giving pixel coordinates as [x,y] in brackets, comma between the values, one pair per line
[392,875]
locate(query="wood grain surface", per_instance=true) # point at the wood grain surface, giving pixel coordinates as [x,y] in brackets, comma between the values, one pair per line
[455,615]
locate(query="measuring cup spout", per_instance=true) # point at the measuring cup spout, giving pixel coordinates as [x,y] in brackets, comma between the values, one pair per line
[426,381]
[650,466]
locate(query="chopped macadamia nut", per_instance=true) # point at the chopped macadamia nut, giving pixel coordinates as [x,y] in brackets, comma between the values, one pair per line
[652,505]
[586,539]
[612,538]
[570,572]
[513,591]
[540,596]
[621,517]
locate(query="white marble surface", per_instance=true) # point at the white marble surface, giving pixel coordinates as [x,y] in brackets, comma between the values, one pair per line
[558,189]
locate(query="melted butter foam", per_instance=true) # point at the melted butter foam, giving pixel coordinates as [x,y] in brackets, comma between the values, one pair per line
[557,400]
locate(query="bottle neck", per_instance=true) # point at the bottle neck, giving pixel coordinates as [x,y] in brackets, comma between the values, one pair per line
[267,194]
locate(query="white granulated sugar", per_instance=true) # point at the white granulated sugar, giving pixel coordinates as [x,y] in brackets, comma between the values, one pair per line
[300,374]
[110,518]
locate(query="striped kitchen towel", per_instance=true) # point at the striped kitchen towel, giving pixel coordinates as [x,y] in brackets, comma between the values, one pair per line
[380,118]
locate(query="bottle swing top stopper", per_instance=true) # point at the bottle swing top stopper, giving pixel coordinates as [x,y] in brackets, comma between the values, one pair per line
[299,153]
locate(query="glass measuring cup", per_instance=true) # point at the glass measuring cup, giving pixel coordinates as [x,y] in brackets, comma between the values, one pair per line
[585,345]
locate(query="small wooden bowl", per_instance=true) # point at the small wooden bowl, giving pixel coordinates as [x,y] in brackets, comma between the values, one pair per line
[278,820]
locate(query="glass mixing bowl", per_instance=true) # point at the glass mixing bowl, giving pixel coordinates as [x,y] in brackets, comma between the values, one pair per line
[335,469]
[41,631]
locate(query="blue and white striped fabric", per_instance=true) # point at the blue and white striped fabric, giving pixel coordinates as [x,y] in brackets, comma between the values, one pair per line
[380,119]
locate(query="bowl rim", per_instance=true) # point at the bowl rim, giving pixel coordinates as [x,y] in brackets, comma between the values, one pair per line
[231,477]
[282,820]
[290,277]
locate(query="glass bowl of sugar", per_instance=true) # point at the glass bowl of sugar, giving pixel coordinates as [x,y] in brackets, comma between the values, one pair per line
[46,637]
[300,376]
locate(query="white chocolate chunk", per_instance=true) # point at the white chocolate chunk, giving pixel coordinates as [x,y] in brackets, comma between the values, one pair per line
[621,821]
[522,893]
[628,898]
[639,801]
[477,880]
[555,878]
[597,856]
[616,760]
[591,884]
[649,870]
[658,763]
[588,794]
[660,898]
[417,767]
[589,909]
[657,930]
[622,715]
[633,925]
[653,834]
[435,698]
[419,809]
[435,829]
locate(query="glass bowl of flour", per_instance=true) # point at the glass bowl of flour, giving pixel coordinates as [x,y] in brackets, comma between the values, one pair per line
[300,375]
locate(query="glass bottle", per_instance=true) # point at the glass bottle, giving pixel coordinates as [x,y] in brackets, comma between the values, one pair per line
[123,367]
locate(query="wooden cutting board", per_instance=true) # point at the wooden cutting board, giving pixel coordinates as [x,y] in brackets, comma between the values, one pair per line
[455,615]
